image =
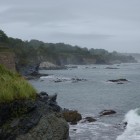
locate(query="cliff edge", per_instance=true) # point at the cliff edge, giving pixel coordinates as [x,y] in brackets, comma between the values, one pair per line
[7,58]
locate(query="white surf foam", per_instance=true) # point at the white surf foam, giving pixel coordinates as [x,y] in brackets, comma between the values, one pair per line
[55,77]
[47,77]
[132,131]
[92,131]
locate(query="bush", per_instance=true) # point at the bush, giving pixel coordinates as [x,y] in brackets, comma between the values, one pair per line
[14,87]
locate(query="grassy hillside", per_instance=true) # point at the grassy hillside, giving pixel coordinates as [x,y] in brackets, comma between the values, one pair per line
[14,87]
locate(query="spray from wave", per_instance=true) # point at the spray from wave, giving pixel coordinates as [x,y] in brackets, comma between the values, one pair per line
[132,131]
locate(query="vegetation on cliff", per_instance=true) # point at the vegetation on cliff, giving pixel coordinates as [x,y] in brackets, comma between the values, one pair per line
[14,87]
[34,51]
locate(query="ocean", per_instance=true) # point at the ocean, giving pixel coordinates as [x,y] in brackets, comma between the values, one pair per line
[96,94]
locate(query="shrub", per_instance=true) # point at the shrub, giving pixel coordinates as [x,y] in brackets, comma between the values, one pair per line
[14,87]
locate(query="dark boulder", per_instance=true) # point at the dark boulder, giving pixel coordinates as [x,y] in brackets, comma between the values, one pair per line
[125,124]
[72,116]
[107,112]
[89,119]
[111,68]
[44,95]
[53,104]
[118,80]
[93,67]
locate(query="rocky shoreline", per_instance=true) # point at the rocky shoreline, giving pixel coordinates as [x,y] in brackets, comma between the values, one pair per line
[39,119]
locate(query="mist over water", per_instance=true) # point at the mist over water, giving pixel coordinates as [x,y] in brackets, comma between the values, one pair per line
[96,94]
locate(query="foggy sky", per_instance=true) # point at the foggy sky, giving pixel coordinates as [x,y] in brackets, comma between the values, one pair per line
[107,24]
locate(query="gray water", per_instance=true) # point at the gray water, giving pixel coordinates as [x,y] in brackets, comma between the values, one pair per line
[94,95]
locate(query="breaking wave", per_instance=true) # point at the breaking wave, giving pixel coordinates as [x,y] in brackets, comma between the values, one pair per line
[132,131]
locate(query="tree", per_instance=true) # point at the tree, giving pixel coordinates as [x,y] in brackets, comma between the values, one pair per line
[3,37]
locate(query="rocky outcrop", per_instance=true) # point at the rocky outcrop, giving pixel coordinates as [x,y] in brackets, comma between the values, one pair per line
[72,116]
[119,81]
[107,112]
[74,80]
[39,119]
[111,68]
[50,66]
[50,127]
[30,71]
[90,119]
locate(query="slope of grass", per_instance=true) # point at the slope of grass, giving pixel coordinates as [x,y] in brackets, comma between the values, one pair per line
[14,87]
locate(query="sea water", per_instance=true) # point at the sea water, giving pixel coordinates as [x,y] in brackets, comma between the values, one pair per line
[96,94]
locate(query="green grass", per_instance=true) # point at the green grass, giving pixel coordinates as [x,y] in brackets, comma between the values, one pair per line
[14,87]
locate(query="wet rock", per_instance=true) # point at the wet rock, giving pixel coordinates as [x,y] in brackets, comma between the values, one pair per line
[93,67]
[60,80]
[90,119]
[72,116]
[122,125]
[43,93]
[74,80]
[107,112]
[53,104]
[118,80]
[123,80]
[125,124]
[111,68]
[73,123]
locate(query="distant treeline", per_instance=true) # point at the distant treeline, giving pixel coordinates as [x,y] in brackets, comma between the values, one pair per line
[34,51]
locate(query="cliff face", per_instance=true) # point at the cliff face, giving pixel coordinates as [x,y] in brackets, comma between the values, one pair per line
[8,60]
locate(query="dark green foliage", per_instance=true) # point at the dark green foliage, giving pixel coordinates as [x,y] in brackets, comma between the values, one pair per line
[34,51]
[3,37]
[62,54]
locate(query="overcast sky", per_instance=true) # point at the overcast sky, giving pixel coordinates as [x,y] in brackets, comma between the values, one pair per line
[107,24]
